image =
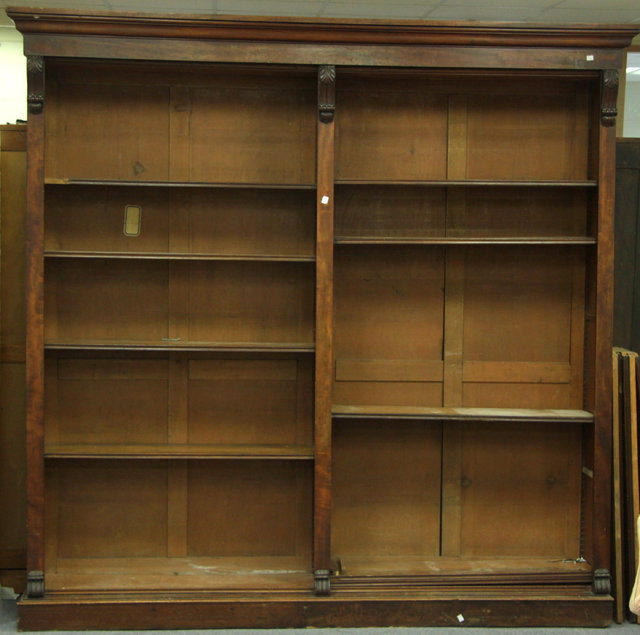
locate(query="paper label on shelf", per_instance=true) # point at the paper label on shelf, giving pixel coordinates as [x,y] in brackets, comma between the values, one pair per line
[132,220]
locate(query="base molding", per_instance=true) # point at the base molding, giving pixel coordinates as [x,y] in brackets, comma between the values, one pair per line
[513,606]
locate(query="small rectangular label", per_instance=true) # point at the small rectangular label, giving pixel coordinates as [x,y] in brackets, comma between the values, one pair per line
[132,220]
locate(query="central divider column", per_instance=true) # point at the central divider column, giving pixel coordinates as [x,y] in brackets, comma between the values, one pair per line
[324,328]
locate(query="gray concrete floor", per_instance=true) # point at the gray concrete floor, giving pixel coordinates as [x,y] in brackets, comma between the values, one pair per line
[8,615]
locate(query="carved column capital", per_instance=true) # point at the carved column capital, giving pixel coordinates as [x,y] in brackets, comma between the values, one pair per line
[326,93]
[609,98]
[35,84]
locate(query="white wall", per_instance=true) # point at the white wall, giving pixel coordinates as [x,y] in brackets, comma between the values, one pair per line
[632,97]
[13,76]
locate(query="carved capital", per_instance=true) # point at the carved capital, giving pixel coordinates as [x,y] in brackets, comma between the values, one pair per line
[326,93]
[601,582]
[321,583]
[609,98]
[35,83]
[35,584]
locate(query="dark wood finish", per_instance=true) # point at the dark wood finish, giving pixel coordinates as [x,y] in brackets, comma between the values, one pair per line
[256,347]
[192,224]
[547,464]
[502,606]
[325,31]
[187,184]
[35,78]
[13,171]
[230,404]
[457,408]
[324,328]
[386,493]
[35,325]
[516,240]
[603,345]
[468,183]
[176,452]
[506,361]
[88,510]
[618,570]
[609,95]
[462,414]
[110,302]
[81,110]
[159,49]
[626,329]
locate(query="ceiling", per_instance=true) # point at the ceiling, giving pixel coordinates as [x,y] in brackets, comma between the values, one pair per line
[504,10]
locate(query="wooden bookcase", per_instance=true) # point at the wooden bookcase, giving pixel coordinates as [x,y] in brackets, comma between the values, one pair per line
[319,321]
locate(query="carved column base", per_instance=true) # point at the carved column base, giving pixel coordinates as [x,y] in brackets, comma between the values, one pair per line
[35,584]
[321,583]
[601,582]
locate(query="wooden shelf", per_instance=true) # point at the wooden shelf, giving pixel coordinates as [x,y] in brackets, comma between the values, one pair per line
[444,569]
[444,240]
[312,186]
[110,182]
[471,183]
[250,347]
[196,573]
[515,415]
[174,451]
[139,255]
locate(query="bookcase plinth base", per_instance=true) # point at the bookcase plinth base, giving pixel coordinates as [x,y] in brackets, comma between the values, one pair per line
[512,607]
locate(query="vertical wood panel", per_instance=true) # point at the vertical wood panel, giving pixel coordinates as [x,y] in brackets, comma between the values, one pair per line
[451,489]
[51,538]
[457,138]
[35,340]
[178,300]
[634,343]
[387,493]
[179,133]
[603,345]
[177,429]
[252,128]
[451,511]
[177,508]
[627,243]
[179,222]
[108,131]
[453,327]
[576,353]
[520,489]
[627,209]
[324,344]
[178,398]
[13,172]
[52,408]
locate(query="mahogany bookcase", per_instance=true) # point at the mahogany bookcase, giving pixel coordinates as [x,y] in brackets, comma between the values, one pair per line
[319,321]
